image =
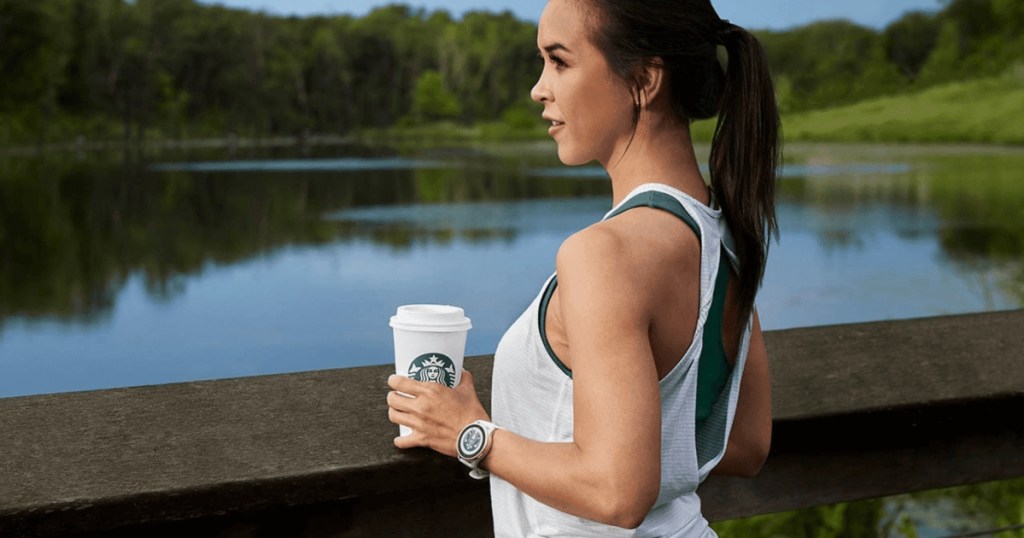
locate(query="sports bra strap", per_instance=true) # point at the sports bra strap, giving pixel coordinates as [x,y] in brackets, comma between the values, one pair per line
[713,369]
[658,200]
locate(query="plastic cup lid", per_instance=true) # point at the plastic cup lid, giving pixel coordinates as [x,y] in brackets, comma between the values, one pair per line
[431,318]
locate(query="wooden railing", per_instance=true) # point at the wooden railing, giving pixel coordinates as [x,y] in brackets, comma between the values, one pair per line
[861,410]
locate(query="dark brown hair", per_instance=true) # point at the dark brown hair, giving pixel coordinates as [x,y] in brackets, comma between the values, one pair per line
[685,36]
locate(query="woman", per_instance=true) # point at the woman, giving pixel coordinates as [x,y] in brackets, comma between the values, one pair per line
[640,367]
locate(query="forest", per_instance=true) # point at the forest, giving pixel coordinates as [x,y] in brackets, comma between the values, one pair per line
[176,69]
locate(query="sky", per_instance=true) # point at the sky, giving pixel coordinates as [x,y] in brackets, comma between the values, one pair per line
[758,14]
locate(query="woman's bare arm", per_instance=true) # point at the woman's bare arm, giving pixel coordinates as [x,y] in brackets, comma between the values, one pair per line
[616,407]
[610,472]
[751,434]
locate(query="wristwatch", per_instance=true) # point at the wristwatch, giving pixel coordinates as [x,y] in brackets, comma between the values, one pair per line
[473,445]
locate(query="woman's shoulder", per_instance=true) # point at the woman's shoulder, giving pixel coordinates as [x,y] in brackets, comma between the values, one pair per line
[637,246]
[597,275]
[595,249]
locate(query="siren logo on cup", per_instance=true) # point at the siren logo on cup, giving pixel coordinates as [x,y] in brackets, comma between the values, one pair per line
[433,368]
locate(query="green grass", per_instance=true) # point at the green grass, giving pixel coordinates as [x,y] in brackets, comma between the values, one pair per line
[987,111]
[983,111]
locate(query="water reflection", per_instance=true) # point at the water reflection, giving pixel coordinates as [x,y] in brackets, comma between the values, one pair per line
[71,235]
[301,165]
[972,205]
[196,267]
[403,226]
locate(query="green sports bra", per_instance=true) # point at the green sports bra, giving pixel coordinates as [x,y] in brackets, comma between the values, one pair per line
[713,369]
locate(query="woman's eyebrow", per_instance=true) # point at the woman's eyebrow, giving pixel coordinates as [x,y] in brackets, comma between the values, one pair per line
[557,46]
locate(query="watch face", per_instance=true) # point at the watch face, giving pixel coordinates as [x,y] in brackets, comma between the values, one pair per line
[472,441]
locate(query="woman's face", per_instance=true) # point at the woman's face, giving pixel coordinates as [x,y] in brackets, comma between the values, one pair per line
[590,107]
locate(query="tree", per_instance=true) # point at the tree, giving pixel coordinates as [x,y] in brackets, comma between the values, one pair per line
[33,60]
[186,68]
[975,19]
[854,68]
[433,101]
[943,62]
[1010,13]
[910,40]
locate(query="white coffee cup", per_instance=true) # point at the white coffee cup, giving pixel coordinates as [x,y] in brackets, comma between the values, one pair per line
[430,344]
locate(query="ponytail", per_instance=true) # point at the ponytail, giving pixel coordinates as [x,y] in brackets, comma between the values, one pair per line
[685,35]
[745,157]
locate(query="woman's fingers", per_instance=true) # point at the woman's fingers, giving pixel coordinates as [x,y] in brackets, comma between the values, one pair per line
[411,386]
[416,413]
[416,388]
[434,412]
[413,440]
[409,441]
[405,419]
[404,384]
[394,415]
[423,434]
[400,402]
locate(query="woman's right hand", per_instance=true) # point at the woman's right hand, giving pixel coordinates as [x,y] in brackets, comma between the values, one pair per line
[436,414]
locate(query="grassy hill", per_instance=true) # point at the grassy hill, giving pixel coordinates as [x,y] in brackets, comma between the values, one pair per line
[987,110]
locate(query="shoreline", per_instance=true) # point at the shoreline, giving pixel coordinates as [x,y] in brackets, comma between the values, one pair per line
[799,146]
[225,142]
[402,138]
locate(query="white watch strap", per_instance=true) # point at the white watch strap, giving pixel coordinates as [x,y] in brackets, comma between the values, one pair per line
[489,429]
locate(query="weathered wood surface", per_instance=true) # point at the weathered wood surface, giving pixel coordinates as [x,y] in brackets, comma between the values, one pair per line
[860,410]
[874,409]
[825,371]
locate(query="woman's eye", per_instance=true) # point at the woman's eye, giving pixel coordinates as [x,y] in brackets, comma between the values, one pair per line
[555,60]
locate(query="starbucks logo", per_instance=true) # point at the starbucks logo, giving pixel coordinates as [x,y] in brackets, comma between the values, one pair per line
[433,368]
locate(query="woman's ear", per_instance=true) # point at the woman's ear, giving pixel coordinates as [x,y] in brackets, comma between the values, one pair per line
[652,81]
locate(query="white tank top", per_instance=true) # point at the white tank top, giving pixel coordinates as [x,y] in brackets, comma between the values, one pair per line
[532,397]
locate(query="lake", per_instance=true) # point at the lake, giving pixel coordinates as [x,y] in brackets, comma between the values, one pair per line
[121,270]
[130,270]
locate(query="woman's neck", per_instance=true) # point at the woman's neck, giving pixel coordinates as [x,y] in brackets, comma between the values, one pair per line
[657,155]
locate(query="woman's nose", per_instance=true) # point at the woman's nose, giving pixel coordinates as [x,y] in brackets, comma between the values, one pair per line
[540,92]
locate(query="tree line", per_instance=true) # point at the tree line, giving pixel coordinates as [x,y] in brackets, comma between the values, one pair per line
[179,69]
[73,232]
[833,63]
